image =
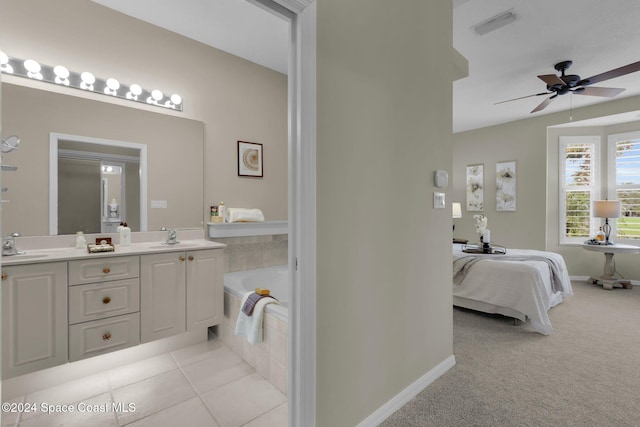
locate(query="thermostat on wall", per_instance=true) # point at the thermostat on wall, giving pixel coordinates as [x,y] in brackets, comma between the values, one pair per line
[441,179]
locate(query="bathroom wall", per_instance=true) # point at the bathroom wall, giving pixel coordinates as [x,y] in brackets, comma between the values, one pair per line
[384,100]
[234,98]
[534,224]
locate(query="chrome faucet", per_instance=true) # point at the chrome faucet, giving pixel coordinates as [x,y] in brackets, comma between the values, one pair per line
[9,245]
[172,235]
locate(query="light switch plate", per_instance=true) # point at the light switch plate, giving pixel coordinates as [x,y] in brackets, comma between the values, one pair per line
[158,204]
[438,200]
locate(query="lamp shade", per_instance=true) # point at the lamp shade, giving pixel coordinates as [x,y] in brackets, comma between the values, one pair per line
[607,208]
[456,210]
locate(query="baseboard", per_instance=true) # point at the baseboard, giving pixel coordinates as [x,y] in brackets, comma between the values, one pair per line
[402,398]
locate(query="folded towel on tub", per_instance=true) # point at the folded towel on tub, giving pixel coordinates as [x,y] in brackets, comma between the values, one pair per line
[251,327]
[250,304]
[245,215]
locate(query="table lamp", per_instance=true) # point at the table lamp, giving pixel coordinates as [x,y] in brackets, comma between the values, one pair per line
[607,209]
[456,212]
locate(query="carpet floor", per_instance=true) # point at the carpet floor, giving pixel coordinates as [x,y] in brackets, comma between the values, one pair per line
[586,373]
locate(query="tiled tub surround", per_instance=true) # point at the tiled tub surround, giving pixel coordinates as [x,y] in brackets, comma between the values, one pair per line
[268,358]
[251,252]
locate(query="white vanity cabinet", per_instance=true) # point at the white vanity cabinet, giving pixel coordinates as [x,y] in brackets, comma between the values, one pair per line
[34,317]
[76,306]
[104,305]
[180,291]
[205,288]
[163,295]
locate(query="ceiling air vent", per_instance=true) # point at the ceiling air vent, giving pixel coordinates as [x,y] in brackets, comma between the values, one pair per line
[495,22]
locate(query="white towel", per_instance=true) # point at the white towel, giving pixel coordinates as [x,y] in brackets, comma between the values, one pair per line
[245,215]
[251,327]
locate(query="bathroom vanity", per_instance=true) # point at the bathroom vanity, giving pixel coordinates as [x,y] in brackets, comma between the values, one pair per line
[63,305]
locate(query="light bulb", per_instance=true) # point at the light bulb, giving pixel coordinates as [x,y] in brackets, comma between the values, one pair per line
[135,89]
[4,63]
[32,66]
[156,94]
[61,71]
[112,87]
[176,99]
[113,84]
[33,69]
[62,75]
[88,78]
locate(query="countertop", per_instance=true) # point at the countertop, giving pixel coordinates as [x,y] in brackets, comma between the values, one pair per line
[67,254]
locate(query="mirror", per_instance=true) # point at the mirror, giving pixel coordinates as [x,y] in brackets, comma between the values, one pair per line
[102,182]
[174,160]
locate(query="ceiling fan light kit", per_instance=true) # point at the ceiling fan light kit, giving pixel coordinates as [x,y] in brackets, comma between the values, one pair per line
[572,83]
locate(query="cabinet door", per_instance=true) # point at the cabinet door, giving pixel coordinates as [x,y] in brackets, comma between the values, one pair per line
[162,295]
[205,288]
[34,317]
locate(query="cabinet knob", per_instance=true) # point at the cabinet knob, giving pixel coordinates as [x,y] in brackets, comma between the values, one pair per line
[106,336]
[4,276]
[190,257]
[106,300]
[181,258]
[106,270]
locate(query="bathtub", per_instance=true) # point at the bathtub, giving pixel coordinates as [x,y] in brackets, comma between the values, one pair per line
[269,358]
[275,279]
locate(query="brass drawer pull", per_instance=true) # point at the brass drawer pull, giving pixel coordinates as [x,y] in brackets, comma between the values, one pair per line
[181,258]
[190,257]
[106,300]
[106,336]
[4,276]
[106,270]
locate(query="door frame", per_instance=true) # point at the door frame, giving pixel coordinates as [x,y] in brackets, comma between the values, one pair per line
[302,206]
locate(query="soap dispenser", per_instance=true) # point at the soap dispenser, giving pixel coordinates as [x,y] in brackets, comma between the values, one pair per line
[81,242]
[125,235]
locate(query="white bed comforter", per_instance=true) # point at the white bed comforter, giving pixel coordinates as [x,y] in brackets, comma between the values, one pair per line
[523,286]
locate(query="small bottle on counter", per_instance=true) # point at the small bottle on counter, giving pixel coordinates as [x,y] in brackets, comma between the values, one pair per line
[600,237]
[222,211]
[125,235]
[81,241]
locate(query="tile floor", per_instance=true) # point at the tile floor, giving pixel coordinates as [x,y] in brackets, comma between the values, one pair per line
[201,385]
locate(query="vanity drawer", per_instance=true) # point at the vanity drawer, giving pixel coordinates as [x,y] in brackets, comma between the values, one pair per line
[99,300]
[103,336]
[103,269]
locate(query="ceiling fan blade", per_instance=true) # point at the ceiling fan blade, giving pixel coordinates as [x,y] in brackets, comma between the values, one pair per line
[544,104]
[611,74]
[608,92]
[522,97]
[551,80]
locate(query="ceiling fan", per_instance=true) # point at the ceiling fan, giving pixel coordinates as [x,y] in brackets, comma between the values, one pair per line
[572,83]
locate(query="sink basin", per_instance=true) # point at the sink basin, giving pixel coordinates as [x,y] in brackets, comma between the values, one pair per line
[26,256]
[178,246]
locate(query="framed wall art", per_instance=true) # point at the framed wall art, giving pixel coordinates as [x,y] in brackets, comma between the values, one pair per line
[506,186]
[475,187]
[249,159]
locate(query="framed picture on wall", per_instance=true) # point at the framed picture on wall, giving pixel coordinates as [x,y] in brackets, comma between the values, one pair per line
[506,186]
[249,159]
[475,187]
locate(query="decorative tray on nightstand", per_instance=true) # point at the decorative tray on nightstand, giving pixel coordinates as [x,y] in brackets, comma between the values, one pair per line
[493,250]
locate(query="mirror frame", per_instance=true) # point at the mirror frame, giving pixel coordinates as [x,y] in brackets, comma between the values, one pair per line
[54,138]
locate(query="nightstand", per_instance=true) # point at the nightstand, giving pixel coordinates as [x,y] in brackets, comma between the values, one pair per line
[611,278]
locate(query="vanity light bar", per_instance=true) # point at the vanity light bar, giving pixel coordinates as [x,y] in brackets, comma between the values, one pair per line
[60,75]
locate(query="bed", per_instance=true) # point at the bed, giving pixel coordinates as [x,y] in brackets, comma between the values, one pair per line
[523,284]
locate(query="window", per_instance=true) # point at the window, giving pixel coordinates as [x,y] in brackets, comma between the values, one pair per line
[579,186]
[624,183]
